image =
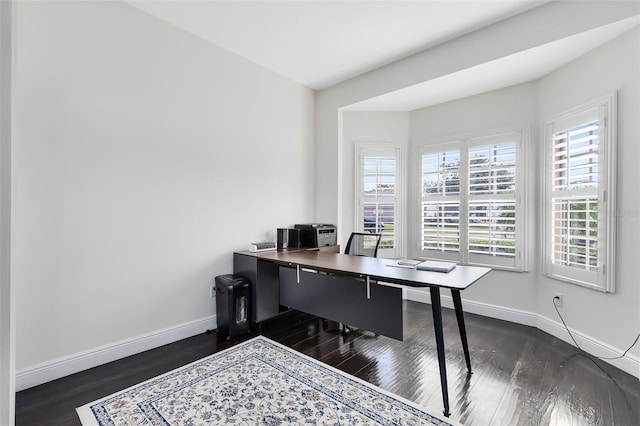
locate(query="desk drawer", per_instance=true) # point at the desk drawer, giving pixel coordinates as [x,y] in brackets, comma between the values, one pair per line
[344,299]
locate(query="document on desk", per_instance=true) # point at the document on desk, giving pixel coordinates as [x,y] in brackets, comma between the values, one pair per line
[405,263]
[424,265]
[436,266]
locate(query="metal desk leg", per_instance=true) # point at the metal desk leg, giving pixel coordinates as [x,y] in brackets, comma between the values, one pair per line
[457,303]
[436,308]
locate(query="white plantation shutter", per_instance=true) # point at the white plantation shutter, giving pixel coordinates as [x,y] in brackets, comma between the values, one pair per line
[492,220]
[492,227]
[378,196]
[441,226]
[579,192]
[441,203]
[470,195]
[378,189]
[574,231]
[575,158]
[574,206]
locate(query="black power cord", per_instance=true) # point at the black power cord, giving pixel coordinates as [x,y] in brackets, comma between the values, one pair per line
[576,343]
[590,357]
[595,363]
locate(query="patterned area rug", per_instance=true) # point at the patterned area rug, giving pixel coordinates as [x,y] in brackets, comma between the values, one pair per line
[258,382]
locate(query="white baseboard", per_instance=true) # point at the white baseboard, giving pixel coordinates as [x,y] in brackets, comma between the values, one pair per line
[61,367]
[484,309]
[594,347]
[629,364]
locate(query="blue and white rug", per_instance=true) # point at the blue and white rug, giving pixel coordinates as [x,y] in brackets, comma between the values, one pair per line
[258,382]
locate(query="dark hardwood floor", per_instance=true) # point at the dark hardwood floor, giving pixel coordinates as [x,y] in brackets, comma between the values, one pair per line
[522,376]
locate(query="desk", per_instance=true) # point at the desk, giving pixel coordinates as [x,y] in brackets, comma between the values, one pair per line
[352,289]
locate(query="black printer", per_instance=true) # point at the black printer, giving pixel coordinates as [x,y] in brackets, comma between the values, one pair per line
[317,234]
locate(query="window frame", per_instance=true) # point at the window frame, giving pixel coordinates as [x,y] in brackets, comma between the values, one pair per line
[463,256]
[605,110]
[386,149]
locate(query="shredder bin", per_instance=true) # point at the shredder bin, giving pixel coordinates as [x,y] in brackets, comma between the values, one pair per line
[233,305]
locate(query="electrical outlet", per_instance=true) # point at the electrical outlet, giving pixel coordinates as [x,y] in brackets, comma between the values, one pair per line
[212,290]
[558,300]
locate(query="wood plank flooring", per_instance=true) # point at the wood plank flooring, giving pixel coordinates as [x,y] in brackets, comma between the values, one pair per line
[522,376]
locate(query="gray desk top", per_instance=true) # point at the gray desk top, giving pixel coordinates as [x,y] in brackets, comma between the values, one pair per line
[375,268]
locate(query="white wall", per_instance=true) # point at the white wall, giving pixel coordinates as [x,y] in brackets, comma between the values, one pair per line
[611,318]
[7,322]
[366,127]
[505,110]
[144,156]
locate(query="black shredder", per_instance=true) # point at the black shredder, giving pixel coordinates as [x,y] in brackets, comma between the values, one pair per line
[232,305]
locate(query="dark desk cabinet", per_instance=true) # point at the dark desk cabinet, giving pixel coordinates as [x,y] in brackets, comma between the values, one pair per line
[265,287]
[276,288]
[344,299]
[265,281]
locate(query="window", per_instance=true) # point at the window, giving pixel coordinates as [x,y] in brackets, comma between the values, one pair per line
[471,209]
[379,195]
[580,194]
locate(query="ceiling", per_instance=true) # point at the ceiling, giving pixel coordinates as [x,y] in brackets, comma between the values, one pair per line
[522,67]
[321,43]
